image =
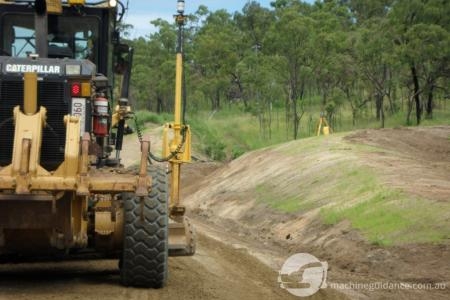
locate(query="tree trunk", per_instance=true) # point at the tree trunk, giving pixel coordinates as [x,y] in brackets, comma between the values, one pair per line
[159,104]
[392,107]
[378,105]
[354,113]
[389,91]
[429,107]
[379,99]
[287,108]
[416,93]
[238,82]
[295,114]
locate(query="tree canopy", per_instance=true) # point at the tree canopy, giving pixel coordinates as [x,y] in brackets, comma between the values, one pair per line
[377,54]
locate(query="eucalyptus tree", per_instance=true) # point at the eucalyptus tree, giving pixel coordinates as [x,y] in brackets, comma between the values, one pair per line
[290,40]
[260,88]
[154,68]
[421,36]
[253,72]
[332,22]
[374,60]
[364,10]
[217,50]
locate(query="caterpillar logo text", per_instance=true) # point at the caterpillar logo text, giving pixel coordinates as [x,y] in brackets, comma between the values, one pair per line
[42,69]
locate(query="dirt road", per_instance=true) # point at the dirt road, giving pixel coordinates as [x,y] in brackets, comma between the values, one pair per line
[217,271]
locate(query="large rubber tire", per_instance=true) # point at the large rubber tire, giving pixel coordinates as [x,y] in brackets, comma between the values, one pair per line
[145,245]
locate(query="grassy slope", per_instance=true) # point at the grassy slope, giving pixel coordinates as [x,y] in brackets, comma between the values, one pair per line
[385,215]
[342,188]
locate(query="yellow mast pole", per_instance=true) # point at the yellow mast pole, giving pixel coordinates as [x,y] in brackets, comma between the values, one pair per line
[176,209]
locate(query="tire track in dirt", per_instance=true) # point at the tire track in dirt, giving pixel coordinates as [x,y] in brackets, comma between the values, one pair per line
[217,271]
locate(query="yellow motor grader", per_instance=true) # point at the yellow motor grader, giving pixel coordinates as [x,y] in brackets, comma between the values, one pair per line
[63,191]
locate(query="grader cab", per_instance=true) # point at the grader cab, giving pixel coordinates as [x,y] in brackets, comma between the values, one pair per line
[63,191]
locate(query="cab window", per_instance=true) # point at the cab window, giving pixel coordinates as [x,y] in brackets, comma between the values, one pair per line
[71,37]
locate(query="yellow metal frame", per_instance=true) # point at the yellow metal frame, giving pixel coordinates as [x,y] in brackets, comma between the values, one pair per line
[54,6]
[73,182]
[172,140]
[76,2]
[169,145]
[120,113]
[26,176]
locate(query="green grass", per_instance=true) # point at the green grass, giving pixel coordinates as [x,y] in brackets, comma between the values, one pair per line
[384,215]
[390,217]
[145,116]
[229,133]
[345,190]
[440,117]
[207,139]
[327,186]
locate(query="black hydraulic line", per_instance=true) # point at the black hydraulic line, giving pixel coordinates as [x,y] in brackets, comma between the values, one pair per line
[119,135]
[124,95]
[127,75]
[153,156]
[180,50]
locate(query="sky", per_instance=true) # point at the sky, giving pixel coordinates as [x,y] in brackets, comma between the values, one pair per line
[141,12]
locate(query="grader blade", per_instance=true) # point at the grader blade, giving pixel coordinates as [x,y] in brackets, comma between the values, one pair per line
[182,238]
